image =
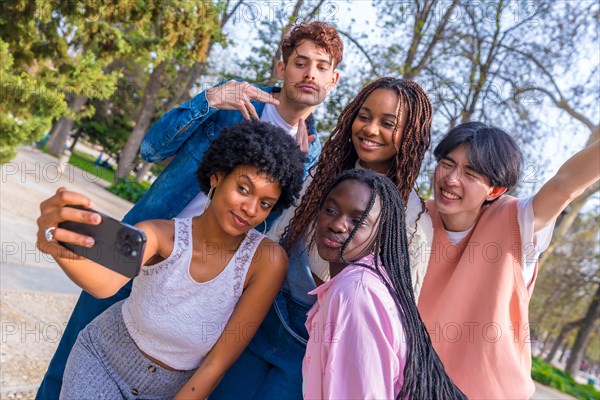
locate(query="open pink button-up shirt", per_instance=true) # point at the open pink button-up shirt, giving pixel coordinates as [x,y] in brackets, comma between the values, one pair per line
[357,348]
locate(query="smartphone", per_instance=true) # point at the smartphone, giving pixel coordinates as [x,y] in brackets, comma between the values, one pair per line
[117,246]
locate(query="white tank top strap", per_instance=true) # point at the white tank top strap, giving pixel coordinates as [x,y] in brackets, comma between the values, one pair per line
[182,249]
[244,257]
[183,234]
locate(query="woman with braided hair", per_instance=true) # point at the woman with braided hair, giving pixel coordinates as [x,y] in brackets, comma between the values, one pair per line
[386,128]
[360,230]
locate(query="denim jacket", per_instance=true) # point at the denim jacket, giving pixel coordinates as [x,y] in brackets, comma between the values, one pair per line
[186,132]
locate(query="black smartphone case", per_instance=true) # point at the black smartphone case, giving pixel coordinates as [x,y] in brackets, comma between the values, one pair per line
[117,246]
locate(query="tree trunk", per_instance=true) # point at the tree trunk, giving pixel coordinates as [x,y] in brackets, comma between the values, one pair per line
[76,138]
[568,327]
[550,356]
[196,72]
[183,82]
[139,177]
[563,352]
[277,56]
[57,135]
[131,148]
[60,131]
[547,340]
[588,325]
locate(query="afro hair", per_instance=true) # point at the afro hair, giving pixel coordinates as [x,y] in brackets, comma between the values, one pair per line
[262,145]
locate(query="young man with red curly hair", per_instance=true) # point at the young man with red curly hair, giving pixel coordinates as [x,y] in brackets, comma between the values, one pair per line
[311,53]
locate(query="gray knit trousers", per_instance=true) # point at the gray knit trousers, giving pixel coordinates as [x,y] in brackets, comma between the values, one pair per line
[105,363]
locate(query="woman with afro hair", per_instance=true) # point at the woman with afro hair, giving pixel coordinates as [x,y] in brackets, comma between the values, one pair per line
[206,283]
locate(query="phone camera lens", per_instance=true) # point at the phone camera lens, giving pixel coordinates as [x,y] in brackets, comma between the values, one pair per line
[123,235]
[126,249]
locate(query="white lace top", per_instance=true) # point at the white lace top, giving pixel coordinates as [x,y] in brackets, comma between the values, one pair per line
[175,319]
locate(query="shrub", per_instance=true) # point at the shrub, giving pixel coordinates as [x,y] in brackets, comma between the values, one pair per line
[554,377]
[129,189]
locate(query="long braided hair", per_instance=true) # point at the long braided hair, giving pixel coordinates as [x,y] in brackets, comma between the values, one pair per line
[424,373]
[339,154]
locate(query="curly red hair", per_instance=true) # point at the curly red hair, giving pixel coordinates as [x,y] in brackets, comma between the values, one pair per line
[325,36]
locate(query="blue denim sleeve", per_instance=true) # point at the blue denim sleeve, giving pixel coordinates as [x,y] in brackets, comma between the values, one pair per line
[170,132]
[314,151]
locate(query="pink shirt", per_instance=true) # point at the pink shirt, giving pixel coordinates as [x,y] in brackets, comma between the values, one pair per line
[356,348]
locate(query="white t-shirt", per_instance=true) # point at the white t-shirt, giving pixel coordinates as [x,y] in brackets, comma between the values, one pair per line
[532,243]
[269,114]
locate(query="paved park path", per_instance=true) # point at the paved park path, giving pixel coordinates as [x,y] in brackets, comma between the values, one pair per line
[36,298]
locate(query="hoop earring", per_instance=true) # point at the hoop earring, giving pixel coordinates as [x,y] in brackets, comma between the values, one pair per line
[208,199]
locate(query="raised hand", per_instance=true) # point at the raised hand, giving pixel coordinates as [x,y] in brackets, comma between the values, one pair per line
[233,95]
[303,139]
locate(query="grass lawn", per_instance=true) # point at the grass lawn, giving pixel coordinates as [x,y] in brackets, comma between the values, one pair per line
[126,189]
[554,377]
[86,162]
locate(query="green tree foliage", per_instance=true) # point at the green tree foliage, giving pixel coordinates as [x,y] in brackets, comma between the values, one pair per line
[113,121]
[49,59]
[57,58]
[168,33]
[108,130]
[25,114]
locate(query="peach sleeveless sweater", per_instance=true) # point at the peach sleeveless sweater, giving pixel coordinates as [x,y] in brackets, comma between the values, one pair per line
[474,303]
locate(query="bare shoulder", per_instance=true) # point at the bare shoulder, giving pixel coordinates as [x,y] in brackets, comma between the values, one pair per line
[158,227]
[270,256]
[268,267]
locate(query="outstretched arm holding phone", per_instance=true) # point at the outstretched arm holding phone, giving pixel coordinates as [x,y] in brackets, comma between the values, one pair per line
[96,279]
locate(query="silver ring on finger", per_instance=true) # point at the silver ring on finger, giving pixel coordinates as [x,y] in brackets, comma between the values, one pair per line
[48,233]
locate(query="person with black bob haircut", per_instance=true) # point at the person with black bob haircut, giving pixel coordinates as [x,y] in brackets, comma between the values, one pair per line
[484,258]
[492,152]
[206,282]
